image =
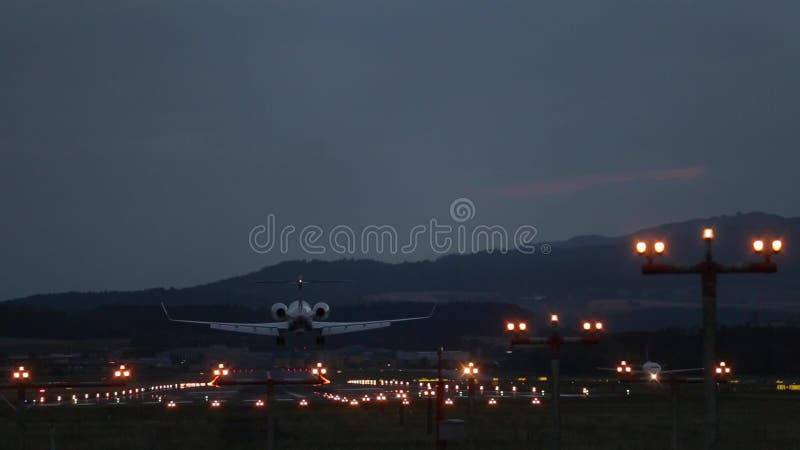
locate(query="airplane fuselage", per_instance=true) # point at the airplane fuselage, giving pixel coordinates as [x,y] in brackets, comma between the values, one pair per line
[653,369]
[299,315]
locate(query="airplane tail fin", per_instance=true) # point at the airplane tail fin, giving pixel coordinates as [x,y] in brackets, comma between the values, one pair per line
[300,282]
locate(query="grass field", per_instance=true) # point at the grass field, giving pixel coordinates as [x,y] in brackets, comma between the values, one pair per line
[749,421]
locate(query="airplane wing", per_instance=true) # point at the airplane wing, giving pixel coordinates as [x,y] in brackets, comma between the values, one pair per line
[330,328]
[696,369]
[266,328]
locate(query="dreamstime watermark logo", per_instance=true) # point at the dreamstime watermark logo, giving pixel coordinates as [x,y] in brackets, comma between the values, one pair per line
[441,238]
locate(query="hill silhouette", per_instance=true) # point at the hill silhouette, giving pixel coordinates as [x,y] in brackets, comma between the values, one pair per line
[583,275]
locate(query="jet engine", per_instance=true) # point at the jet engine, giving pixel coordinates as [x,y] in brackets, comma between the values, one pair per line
[279,311]
[321,311]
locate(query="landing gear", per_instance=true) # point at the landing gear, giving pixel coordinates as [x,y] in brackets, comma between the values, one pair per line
[281,341]
[320,341]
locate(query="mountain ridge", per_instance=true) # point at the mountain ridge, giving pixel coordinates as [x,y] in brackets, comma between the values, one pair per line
[577,271]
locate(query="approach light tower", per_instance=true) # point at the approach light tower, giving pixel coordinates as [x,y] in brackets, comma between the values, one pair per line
[21,378]
[708,271]
[520,337]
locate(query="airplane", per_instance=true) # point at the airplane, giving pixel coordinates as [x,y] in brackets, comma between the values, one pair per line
[299,317]
[649,371]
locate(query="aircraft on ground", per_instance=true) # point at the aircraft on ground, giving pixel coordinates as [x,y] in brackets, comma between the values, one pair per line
[299,317]
[649,371]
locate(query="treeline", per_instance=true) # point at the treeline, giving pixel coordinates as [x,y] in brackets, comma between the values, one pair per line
[476,327]
[147,326]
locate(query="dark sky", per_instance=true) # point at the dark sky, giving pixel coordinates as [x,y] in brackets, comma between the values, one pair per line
[140,141]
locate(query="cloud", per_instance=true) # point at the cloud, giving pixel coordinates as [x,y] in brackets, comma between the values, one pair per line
[561,186]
